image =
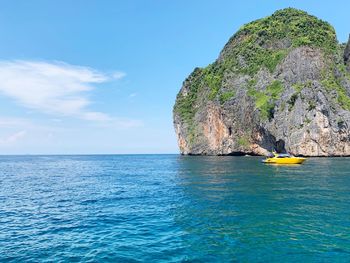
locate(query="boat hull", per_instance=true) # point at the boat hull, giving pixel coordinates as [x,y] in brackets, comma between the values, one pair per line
[292,160]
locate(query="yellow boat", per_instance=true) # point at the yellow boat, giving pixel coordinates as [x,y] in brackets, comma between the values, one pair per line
[283,158]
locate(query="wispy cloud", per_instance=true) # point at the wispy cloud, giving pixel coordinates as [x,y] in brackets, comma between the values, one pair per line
[118,75]
[11,122]
[12,138]
[54,88]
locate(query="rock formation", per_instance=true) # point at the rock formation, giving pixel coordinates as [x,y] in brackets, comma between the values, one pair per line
[279,83]
[347,55]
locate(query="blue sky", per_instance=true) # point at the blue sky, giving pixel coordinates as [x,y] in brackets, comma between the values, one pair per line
[102,76]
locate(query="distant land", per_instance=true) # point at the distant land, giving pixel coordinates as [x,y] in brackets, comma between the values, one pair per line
[281,82]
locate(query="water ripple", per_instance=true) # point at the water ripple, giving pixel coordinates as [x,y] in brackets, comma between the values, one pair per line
[169,208]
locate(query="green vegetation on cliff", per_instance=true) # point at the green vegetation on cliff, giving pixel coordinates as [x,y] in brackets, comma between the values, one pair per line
[295,26]
[266,42]
[265,100]
[185,104]
[225,96]
[263,43]
[272,87]
[331,83]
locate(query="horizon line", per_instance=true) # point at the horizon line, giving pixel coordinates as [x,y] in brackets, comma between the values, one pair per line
[81,154]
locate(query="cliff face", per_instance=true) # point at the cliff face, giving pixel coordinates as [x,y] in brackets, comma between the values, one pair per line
[347,55]
[281,82]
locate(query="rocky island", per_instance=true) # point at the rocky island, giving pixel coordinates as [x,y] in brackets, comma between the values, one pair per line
[281,82]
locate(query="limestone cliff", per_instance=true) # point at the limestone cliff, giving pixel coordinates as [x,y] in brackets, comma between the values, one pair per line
[347,55]
[281,82]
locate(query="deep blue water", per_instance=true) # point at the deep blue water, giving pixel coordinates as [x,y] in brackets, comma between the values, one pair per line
[170,208]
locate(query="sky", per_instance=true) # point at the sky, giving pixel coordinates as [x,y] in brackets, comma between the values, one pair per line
[101,77]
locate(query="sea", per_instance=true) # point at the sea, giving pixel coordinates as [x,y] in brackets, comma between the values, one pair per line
[173,208]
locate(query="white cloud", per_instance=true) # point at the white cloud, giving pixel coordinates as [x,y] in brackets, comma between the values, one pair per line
[54,88]
[133,95]
[95,116]
[10,122]
[126,123]
[118,75]
[12,138]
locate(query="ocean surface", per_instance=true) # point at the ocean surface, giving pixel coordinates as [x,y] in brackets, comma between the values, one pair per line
[171,208]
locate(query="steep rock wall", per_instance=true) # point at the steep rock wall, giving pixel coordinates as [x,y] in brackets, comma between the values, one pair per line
[272,88]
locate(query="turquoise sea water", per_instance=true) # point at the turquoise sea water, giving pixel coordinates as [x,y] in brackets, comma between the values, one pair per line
[170,208]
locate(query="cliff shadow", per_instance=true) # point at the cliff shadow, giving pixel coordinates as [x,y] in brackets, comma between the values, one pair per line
[270,143]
